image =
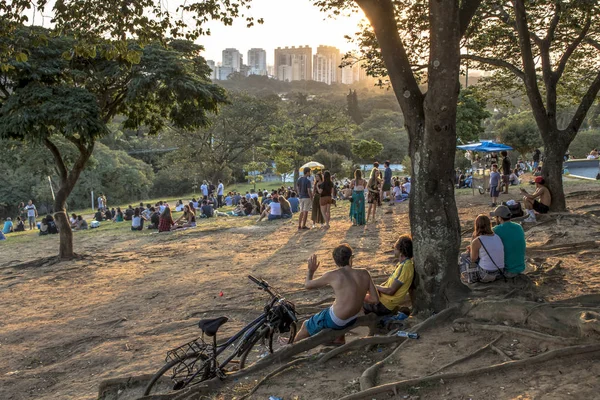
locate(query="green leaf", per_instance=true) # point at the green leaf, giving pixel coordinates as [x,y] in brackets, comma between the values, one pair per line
[21,57]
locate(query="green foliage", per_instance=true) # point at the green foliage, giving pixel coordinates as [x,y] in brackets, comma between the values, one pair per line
[520,132]
[386,127]
[353,108]
[366,150]
[470,114]
[584,142]
[335,163]
[406,165]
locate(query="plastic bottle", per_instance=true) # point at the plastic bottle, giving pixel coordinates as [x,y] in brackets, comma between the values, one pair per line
[410,335]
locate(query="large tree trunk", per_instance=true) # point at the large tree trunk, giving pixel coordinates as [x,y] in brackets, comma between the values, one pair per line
[65,249]
[431,123]
[552,171]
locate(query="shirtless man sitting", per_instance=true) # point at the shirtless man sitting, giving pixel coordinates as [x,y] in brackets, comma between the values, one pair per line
[351,287]
[532,205]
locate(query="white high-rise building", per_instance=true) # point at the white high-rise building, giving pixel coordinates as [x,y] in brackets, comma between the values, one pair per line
[257,62]
[213,69]
[326,64]
[299,59]
[233,59]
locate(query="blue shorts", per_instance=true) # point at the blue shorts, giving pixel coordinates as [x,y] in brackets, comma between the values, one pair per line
[323,320]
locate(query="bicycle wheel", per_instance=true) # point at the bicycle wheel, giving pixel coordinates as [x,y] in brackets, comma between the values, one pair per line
[182,364]
[260,335]
[280,339]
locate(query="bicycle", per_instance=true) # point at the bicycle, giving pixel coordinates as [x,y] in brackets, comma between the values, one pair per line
[196,361]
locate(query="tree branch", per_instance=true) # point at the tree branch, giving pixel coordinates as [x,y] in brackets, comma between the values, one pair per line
[530,77]
[553,23]
[382,16]
[495,62]
[60,164]
[595,44]
[569,51]
[468,8]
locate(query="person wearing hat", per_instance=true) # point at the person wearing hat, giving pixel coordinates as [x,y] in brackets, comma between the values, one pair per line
[532,205]
[513,239]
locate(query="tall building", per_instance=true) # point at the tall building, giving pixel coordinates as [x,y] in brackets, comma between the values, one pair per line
[233,59]
[293,63]
[353,73]
[257,61]
[326,65]
[213,69]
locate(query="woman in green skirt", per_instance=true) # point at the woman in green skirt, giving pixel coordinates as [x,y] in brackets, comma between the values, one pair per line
[357,208]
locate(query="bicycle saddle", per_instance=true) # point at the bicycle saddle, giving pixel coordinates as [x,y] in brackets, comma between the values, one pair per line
[211,326]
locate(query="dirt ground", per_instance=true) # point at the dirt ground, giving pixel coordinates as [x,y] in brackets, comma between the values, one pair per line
[66,327]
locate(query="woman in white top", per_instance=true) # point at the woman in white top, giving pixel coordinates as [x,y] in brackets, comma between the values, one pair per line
[487,250]
[272,211]
[137,221]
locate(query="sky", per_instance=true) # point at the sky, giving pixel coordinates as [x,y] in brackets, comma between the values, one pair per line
[287,23]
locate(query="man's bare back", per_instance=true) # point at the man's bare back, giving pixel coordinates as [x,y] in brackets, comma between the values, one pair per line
[350,287]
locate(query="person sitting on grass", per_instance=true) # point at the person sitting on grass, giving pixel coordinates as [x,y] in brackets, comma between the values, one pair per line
[351,287]
[137,221]
[81,225]
[43,227]
[286,207]
[154,219]
[119,217]
[20,225]
[166,220]
[186,220]
[108,215]
[99,216]
[294,202]
[52,228]
[513,240]
[8,226]
[273,210]
[532,205]
[486,250]
[513,179]
[393,292]
[73,220]
[207,210]
[128,213]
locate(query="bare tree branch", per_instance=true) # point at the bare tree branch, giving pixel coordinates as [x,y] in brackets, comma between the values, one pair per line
[497,62]
[569,51]
[60,164]
[468,8]
[553,23]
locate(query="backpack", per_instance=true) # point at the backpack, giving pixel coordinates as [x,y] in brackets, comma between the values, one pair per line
[52,229]
[515,209]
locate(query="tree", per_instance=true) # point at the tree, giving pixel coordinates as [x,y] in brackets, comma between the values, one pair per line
[520,132]
[470,114]
[335,163]
[53,95]
[366,150]
[552,47]
[433,30]
[386,127]
[353,109]
[254,170]
[306,125]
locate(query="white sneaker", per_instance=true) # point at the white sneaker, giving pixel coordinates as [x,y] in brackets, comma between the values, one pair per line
[530,219]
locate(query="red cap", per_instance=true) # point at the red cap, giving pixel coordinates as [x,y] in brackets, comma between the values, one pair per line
[539,179]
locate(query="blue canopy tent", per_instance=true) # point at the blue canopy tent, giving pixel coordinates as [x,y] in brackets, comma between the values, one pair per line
[486,146]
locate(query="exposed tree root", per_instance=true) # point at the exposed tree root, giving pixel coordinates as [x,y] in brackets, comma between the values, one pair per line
[368,377]
[550,355]
[515,331]
[468,357]
[273,373]
[501,353]
[368,341]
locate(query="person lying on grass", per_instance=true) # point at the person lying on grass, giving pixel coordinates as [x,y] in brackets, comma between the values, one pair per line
[352,287]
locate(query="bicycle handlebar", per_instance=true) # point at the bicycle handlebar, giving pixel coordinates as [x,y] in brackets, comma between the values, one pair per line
[263,285]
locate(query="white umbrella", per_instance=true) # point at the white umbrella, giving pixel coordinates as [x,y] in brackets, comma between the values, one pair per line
[312,165]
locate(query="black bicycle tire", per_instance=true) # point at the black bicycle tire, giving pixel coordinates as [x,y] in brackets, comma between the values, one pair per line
[259,334]
[167,367]
[293,333]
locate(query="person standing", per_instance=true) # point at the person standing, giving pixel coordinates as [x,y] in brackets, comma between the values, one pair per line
[505,171]
[220,190]
[357,208]
[326,191]
[204,189]
[387,181]
[374,195]
[32,214]
[317,215]
[536,158]
[305,198]
[495,185]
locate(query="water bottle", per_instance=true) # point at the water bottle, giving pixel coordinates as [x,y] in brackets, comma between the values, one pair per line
[410,335]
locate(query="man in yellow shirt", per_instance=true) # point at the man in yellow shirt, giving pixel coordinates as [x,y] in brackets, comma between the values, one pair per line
[395,289]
